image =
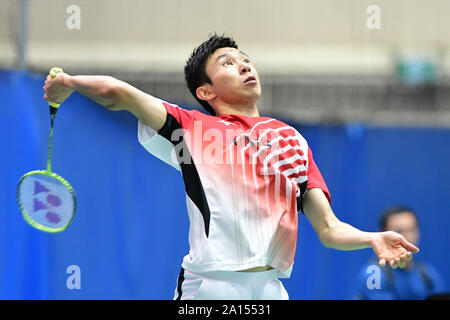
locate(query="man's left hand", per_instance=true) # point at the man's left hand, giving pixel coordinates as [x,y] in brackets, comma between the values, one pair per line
[393,248]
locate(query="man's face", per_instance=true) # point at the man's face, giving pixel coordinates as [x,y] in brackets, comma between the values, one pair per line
[405,224]
[234,79]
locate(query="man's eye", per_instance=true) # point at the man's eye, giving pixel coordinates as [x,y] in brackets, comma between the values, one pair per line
[227,63]
[246,61]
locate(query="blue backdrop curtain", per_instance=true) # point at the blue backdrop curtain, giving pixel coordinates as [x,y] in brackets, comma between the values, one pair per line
[131,227]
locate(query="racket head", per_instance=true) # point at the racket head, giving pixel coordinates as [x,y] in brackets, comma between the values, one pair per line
[47,201]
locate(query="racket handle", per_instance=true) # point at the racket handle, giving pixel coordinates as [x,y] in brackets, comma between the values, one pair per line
[53,72]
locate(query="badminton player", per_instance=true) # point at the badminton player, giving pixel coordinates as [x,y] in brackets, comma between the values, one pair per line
[246,176]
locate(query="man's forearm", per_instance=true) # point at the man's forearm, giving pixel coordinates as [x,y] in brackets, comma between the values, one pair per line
[343,236]
[388,246]
[101,89]
[116,95]
[332,232]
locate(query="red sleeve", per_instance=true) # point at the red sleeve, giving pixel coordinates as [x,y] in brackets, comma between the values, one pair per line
[315,179]
[182,116]
[177,118]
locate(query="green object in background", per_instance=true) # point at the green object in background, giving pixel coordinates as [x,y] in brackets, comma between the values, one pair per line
[416,71]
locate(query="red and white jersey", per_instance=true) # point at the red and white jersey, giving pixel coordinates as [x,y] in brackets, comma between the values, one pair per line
[244,179]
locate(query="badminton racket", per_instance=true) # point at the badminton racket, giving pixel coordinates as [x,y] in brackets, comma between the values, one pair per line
[47,200]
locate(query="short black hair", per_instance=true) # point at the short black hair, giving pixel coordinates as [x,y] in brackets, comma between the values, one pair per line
[195,71]
[393,211]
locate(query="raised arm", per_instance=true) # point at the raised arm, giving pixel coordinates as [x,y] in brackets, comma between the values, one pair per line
[109,92]
[389,246]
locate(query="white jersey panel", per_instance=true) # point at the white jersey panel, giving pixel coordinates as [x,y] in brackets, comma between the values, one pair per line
[157,145]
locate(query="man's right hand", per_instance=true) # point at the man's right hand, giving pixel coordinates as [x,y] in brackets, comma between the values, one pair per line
[56,89]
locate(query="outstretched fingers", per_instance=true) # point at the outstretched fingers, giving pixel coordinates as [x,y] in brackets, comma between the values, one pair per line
[399,262]
[394,263]
[403,259]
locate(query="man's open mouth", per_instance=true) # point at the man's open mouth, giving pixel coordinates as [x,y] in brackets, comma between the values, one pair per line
[250,79]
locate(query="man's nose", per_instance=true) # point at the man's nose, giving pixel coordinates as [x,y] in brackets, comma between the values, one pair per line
[245,68]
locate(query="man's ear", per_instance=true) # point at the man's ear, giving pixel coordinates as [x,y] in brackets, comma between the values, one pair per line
[205,92]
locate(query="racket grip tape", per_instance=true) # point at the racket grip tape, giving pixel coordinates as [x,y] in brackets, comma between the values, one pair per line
[53,72]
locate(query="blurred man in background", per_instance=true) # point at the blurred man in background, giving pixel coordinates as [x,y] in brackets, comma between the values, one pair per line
[417,281]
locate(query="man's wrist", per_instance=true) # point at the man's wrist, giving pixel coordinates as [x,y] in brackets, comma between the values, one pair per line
[370,238]
[67,81]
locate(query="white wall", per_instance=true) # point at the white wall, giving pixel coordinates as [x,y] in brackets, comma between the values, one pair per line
[285,36]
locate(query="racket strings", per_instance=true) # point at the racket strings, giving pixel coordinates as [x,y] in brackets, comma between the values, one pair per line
[47,201]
